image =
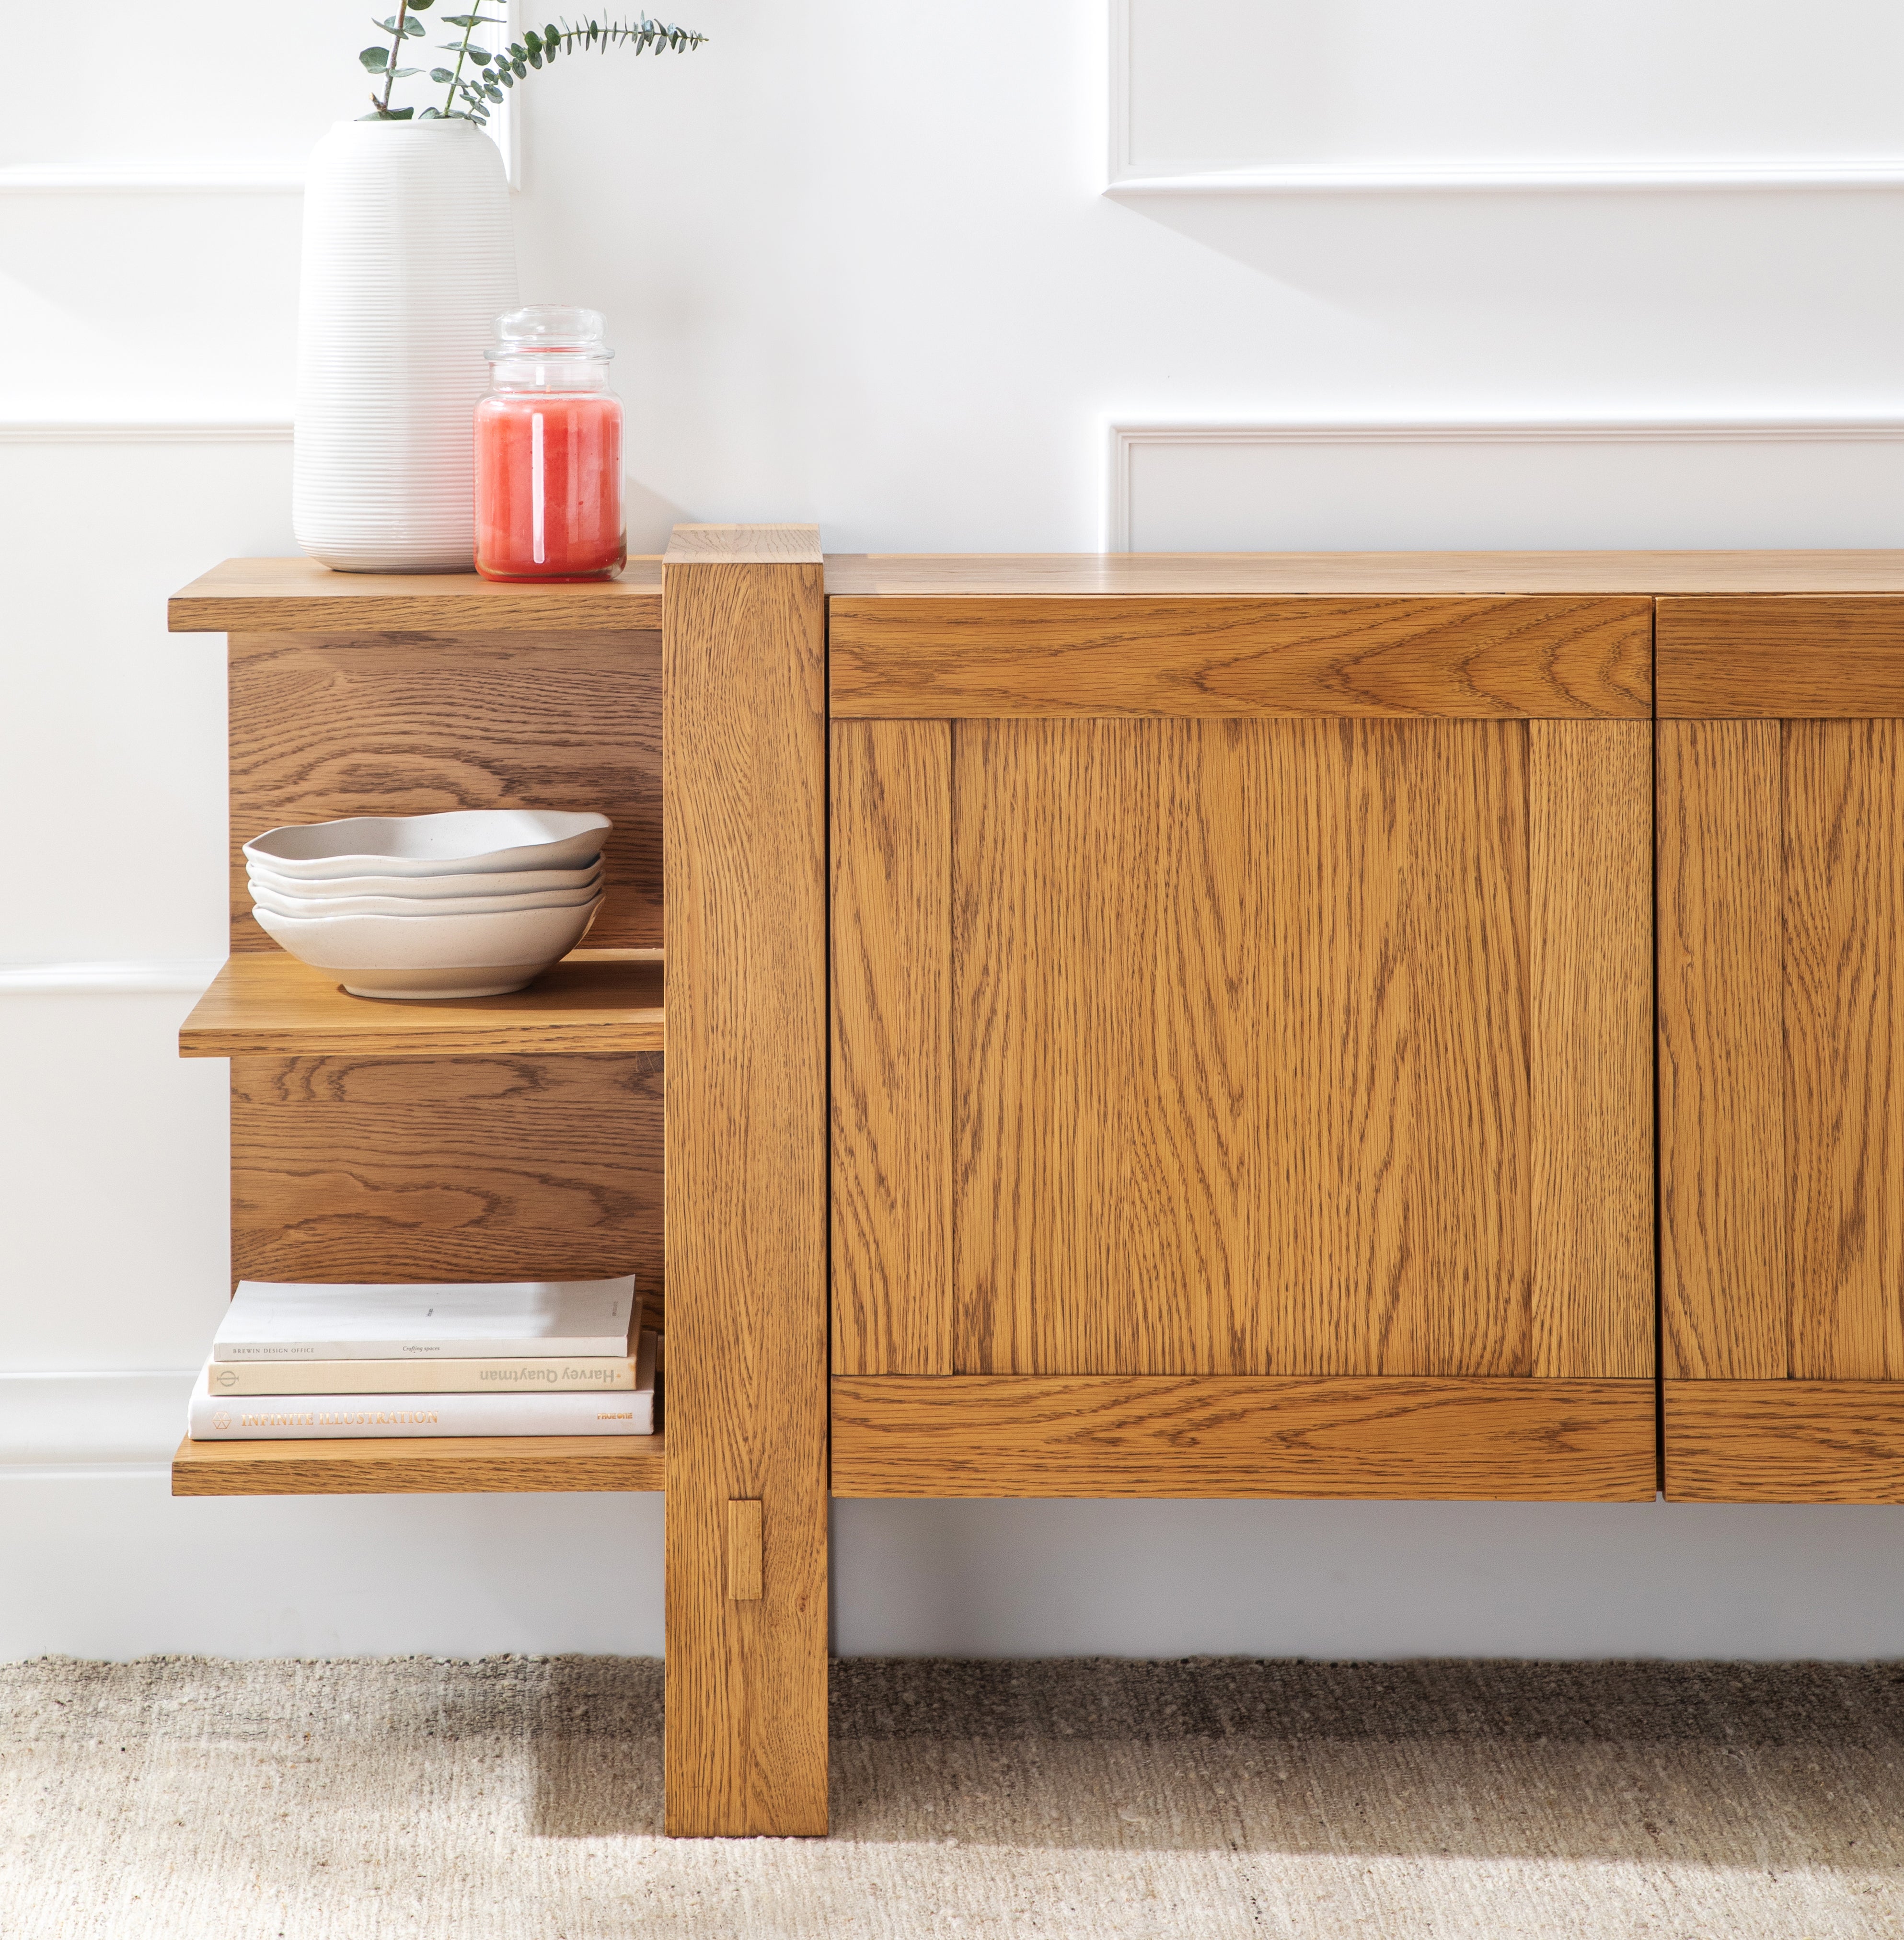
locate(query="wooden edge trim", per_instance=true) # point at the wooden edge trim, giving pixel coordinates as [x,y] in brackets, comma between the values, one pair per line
[450,1465]
[1342,1437]
[640,1031]
[1784,1442]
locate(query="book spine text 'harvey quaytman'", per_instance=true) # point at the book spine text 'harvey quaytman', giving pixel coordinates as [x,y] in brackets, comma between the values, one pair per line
[215,1417]
[409,1377]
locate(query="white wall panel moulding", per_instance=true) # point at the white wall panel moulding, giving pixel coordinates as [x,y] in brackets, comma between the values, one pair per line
[1204,475]
[134,176]
[126,978]
[275,430]
[1279,97]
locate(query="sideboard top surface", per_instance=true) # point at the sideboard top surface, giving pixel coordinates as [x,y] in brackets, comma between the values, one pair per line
[248,595]
[1295,575]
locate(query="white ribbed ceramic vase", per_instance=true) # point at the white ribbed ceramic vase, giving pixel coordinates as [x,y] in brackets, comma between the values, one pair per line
[409,259]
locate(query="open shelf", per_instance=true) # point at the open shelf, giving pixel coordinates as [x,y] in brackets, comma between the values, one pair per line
[267,1004]
[423,1465]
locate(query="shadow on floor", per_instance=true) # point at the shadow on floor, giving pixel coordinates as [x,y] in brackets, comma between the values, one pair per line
[1780,1766]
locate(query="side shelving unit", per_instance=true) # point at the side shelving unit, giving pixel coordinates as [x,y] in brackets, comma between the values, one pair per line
[511,1137]
[541,1136]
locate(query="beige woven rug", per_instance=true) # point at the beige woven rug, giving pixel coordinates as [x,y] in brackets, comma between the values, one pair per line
[521,1799]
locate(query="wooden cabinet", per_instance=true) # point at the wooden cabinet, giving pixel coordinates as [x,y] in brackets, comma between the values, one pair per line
[1241,1019]
[1781,1047]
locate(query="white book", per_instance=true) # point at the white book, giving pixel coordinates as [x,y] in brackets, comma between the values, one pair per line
[541,1319]
[344,1417]
[603,1375]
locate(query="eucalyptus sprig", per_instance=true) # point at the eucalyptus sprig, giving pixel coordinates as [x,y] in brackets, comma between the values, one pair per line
[476,83]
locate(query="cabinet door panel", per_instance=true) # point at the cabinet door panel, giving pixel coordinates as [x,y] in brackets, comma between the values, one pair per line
[1782,1047]
[1722,1109]
[1845,1048]
[1275,1047]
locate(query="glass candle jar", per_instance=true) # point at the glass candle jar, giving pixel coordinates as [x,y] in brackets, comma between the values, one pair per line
[548,451]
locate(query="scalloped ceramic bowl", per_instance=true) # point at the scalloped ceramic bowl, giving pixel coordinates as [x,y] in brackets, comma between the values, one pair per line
[429,889]
[418,909]
[432,956]
[462,841]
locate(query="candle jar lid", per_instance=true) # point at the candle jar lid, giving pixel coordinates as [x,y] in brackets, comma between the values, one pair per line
[550,347]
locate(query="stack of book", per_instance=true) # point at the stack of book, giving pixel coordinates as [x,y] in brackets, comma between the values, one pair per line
[292,1363]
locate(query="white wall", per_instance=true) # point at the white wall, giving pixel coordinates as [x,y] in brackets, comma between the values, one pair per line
[861,268]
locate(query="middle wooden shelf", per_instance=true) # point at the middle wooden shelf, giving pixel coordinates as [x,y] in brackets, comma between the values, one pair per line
[267,1004]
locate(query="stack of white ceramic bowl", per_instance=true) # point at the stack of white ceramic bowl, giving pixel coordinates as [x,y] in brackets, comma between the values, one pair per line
[466,904]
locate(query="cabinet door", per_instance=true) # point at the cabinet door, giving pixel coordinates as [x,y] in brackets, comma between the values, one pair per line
[1781,1048]
[1252,990]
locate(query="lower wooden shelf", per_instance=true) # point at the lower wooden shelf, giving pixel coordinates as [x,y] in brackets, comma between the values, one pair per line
[448,1465]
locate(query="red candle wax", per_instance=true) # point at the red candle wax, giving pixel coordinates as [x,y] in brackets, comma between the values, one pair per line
[548,485]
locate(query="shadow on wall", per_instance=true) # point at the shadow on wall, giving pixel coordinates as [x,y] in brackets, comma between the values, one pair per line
[1368,1580]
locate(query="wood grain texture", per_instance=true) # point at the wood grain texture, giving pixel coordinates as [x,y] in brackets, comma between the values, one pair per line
[448,1464]
[328,724]
[419,1170]
[378,1079]
[1519,1440]
[1722,1157]
[1784,1442]
[1844,813]
[1457,656]
[745,1547]
[1793,657]
[744,754]
[1590,872]
[1352,575]
[254,595]
[1240,1015]
[891,803]
[596,1001]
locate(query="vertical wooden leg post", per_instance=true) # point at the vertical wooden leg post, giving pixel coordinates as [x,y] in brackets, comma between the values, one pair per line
[744,790]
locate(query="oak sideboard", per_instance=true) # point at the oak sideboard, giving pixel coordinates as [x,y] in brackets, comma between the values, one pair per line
[1419,1026]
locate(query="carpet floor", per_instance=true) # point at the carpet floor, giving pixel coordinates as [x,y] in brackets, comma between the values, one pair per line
[519,1799]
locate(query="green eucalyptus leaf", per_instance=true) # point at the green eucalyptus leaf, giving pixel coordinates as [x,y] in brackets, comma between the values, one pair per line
[444,77]
[431,114]
[400,115]
[495,93]
[404,73]
[535,57]
[376,59]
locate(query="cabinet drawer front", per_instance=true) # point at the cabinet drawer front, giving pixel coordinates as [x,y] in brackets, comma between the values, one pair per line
[1267,1046]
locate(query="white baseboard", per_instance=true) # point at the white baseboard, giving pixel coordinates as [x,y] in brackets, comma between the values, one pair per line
[57,1426]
